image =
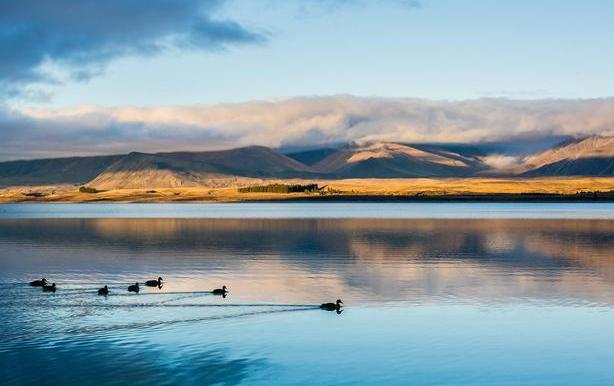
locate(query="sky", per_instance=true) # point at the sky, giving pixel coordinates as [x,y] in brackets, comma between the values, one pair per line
[68,66]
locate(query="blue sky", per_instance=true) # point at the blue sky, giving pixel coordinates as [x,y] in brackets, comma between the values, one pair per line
[95,77]
[437,49]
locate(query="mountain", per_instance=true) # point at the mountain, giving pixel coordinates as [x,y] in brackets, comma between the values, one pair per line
[251,161]
[593,166]
[310,157]
[73,170]
[140,170]
[390,160]
[592,156]
[518,146]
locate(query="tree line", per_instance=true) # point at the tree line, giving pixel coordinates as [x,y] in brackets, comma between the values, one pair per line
[281,188]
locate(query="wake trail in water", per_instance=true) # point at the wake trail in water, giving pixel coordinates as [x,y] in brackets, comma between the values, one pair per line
[153,324]
[179,298]
[113,292]
[158,293]
[163,305]
[14,285]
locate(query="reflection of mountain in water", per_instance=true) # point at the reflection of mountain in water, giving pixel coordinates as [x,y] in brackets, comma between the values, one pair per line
[367,259]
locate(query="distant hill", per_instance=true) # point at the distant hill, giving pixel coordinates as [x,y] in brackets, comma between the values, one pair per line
[590,147]
[592,156]
[73,170]
[310,157]
[139,170]
[390,160]
[592,166]
[517,146]
[251,161]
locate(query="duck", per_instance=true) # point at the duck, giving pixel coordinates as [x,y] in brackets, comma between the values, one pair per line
[39,283]
[154,283]
[49,288]
[134,288]
[332,306]
[220,291]
[103,291]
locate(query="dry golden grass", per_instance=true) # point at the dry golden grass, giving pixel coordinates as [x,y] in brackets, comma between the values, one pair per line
[454,186]
[378,187]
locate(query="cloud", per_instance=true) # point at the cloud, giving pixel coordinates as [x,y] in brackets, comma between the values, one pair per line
[84,35]
[293,122]
[500,161]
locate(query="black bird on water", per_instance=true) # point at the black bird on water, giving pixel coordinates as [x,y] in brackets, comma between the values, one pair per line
[220,291]
[134,288]
[154,283]
[103,291]
[39,283]
[49,288]
[332,306]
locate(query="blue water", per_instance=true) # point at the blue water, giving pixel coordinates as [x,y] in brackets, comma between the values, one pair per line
[588,210]
[428,301]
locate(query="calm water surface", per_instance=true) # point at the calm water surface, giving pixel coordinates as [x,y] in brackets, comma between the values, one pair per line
[481,210]
[429,301]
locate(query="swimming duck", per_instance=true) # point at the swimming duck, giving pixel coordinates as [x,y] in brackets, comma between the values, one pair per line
[332,306]
[220,291]
[103,291]
[154,283]
[134,288]
[39,283]
[49,288]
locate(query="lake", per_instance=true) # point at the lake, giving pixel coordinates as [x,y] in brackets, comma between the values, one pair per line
[434,294]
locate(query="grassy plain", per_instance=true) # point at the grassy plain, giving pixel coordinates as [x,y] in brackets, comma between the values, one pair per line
[412,188]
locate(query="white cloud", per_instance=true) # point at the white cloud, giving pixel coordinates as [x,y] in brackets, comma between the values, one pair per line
[297,121]
[499,161]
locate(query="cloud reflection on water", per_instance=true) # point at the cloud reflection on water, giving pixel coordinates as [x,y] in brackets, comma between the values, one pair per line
[308,260]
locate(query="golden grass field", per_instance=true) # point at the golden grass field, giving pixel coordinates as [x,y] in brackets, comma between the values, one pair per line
[350,187]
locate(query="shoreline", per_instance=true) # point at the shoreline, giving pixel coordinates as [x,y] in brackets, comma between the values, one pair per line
[495,197]
[298,197]
[579,189]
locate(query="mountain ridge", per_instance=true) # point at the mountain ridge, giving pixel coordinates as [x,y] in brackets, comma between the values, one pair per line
[589,156]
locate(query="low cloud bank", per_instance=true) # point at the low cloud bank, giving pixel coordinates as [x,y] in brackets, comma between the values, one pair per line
[298,121]
[499,161]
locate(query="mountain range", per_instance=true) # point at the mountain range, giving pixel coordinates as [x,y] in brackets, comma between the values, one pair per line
[589,156]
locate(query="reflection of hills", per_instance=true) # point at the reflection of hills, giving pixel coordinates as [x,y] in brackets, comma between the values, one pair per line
[482,240]
[383,259]
[586,255]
